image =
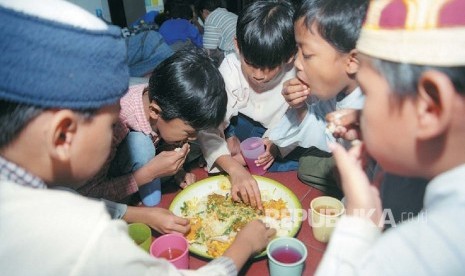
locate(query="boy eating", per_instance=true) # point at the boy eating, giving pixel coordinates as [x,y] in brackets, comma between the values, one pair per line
[412,125]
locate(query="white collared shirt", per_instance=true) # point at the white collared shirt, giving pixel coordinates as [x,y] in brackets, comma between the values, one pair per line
[432,243]
[266,107]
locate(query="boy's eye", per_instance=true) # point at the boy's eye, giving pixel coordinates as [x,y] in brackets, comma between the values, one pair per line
[306,56]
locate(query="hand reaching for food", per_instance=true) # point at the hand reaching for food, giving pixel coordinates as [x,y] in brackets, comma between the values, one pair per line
[159,219]
[245,188]
[250,240]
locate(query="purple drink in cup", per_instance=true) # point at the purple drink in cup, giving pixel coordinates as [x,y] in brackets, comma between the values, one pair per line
[251,149]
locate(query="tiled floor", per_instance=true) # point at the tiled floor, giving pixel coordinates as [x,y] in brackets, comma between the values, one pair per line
[305,194]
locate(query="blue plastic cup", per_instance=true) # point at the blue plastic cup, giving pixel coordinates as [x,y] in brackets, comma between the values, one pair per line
[286,256]
[150,193]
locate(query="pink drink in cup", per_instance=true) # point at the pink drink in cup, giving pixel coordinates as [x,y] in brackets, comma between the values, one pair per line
[251,149]
[172,247]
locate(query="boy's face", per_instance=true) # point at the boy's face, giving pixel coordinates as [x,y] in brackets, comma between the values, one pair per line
[93,143]
[259,79]
[320,66]
[387,122]
[175,131]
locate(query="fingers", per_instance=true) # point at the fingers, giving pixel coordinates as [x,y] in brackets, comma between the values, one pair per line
[234,194]
[257,197]
[345,160]
[245,195]
[270,233]
[295,92]
[248,193]
[183,229]
[344,117]
[347,165]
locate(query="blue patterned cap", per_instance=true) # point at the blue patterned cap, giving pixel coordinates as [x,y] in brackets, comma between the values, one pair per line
[57,55]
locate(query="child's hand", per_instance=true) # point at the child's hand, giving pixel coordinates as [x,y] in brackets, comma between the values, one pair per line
[295,92]
[362,198]
[244,187]
[256,235]
[167,163]
[251,239]
[267,158]
[344,123]
[159,219]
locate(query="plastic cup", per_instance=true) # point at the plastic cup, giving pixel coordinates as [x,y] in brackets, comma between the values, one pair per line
[326,211]
[251,149]
[173,247]
[141,234]
[286,256]
[150,193]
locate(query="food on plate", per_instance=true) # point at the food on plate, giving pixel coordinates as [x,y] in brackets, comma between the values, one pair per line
[216,218]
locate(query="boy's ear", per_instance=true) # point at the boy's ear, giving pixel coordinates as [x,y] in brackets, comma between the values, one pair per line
[154,110]
[434,104]
[63,130]
[236,46]
[352,62]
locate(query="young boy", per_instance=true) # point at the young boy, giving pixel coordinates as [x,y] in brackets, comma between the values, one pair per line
[219,28]
[165,110]
[412,125]
[57,110]
[254,77]
[326,32]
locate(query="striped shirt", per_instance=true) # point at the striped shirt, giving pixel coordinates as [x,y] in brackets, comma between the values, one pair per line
[220,30]
[131,117]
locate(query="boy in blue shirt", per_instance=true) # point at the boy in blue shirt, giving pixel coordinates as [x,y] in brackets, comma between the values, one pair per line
[326,32]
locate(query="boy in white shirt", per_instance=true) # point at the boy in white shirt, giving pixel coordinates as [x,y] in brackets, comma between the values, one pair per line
[253,77]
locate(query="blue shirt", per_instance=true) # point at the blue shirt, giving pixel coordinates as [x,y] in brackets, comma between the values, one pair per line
[174,30]
[312,130]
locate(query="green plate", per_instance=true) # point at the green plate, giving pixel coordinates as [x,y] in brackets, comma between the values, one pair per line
[269,188]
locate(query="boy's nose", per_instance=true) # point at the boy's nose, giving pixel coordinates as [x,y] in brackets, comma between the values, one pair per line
[297,63]
[259,75]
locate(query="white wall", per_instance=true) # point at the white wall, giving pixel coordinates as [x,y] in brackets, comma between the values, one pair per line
[92,5]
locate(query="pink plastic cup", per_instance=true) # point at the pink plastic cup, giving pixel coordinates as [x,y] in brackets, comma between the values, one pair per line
[251,149]
[172,247]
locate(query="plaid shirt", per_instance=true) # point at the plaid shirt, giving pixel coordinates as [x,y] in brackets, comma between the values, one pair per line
[11,172]
[132,117]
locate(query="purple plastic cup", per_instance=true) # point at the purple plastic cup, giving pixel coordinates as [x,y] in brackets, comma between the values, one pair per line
[251,149]
[172,247]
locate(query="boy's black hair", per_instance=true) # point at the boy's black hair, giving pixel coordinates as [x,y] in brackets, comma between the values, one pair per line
[265,33]
[14,118]
[188,86]
[180,9]
[338,21]
[209,5]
